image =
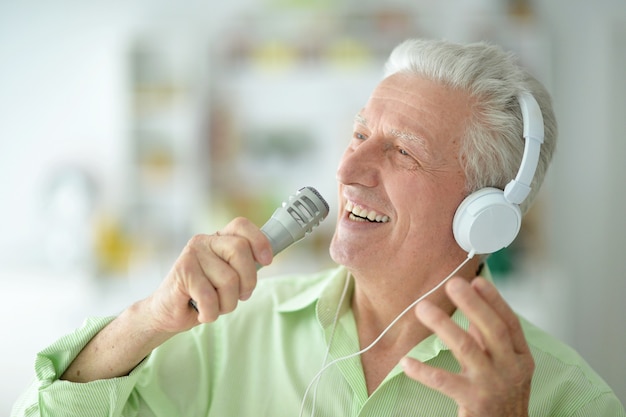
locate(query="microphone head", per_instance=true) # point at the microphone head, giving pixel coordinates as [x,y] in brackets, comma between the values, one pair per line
[295,218]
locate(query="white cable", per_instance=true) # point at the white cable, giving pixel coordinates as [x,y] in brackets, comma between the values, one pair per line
[330,343]
[470,255]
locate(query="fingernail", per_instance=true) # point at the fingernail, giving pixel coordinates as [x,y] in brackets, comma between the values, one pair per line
[481,284]
[406,363]
[457,285]
[423,307]
[245,296]
[266,257]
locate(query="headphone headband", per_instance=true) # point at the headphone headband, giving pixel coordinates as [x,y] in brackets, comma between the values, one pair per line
[518,189]
[490,219]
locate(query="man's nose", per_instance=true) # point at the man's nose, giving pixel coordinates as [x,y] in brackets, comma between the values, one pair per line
[360,164]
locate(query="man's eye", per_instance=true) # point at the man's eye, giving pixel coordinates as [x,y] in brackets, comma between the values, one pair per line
[359,136]
[403,152]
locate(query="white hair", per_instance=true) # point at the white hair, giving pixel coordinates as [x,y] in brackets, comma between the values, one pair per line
[492,149]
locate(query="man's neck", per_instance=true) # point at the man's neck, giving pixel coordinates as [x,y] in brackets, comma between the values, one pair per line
[378,302]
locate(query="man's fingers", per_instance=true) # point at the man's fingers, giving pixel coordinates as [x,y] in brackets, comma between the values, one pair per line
[492,297]
[193,282]
[496,364]
[228,260]
[467,350]
[495,333]
[233,273]
[215,272]
[218,270]
[436,378]
[259,244]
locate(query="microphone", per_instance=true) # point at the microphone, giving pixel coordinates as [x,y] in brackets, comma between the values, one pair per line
[291,222]
[295,219]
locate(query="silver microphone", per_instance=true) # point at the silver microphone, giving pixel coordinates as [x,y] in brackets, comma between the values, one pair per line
[291,222]
[295,218]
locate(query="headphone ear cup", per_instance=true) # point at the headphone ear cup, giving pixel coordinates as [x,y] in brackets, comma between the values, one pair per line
[486,222]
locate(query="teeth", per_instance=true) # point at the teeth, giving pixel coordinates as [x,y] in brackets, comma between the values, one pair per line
[359,213]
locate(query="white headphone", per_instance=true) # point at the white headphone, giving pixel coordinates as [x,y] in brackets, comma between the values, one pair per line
[489,219]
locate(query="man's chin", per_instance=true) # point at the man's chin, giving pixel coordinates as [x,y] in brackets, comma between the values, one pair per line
[348,255]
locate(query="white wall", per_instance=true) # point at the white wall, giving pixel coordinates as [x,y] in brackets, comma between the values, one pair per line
[62,87]
[587,226]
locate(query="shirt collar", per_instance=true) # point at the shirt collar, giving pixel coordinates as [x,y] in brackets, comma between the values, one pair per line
[326,290]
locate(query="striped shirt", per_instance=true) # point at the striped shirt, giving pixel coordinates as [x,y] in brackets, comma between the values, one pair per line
[260,360]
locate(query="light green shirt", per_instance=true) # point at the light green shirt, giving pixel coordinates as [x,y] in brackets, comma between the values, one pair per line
[260,359]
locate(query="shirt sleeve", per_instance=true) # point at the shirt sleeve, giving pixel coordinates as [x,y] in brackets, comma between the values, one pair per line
[606,405]
[50,396]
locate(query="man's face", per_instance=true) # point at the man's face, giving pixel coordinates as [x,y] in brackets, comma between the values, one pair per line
[400,180]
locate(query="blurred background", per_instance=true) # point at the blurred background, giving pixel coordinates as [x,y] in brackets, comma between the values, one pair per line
[127,127]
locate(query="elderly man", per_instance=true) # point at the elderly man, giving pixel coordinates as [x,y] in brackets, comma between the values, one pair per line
[432,150]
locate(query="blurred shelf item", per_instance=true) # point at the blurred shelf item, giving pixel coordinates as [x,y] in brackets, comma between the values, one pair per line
[166,175]
[292,37]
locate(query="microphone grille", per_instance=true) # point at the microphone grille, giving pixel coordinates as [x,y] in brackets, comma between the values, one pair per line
[318,195]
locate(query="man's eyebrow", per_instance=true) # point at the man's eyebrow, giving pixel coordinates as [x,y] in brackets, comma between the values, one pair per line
[403,135]
[408,136]
[422,145]
[360,120]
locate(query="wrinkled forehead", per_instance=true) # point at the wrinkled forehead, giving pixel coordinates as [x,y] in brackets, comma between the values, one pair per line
[418,110]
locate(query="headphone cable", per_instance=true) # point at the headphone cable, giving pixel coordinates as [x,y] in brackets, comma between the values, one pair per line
[317,377]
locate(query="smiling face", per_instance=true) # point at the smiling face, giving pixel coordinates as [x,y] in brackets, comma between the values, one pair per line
[400,180]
